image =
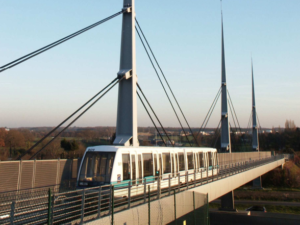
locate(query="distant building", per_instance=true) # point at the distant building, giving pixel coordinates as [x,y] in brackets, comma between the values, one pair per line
[6,129]
[268,131]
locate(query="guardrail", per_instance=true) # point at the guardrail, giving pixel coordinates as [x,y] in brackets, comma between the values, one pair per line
[40,207]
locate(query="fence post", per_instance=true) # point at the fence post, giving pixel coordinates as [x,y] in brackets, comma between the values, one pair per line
[82,206]
[12,212]
[158,188]
[187,179]
[201,176]
[178,182]
[149,205]
[169,184]
[207,209]
[49,206]
[145,190]
[99,201]
[129,195]
[52,207]
[194,207]
[194,178]
[207,173]
[175,207]
[109,205]
[112,205]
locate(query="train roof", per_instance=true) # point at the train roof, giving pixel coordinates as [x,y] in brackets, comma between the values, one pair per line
[114,148]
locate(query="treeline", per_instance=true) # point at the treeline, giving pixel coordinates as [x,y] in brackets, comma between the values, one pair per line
[70,144]
[73,142]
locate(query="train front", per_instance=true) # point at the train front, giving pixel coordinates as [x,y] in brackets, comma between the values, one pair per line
[96,167]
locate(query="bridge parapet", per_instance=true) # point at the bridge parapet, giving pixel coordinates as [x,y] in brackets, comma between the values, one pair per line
[100,202]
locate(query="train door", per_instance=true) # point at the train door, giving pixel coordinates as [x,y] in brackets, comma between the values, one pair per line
[140,180]
[133,168]
[126,167]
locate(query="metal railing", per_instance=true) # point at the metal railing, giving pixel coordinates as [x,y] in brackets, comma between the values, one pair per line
[78,206]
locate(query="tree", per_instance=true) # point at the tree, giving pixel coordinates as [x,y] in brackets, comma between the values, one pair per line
[69,145]
[290,125]
[3,134]
[14,139]
[28,136]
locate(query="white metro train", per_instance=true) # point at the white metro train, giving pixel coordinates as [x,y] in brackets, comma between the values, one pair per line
[122,166]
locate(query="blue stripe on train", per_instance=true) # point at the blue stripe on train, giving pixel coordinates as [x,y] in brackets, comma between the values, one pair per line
[124,183]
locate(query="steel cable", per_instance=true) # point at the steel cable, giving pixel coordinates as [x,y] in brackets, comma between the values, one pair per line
[217,97]
[166,81]
[151,119]
[54,129]
[154,113]
[47,47]
[163,87]
[73,121]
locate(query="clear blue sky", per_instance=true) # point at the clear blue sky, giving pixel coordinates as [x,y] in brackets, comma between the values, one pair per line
[185,37]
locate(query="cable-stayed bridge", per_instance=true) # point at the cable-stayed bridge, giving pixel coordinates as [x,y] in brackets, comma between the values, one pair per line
[217,177]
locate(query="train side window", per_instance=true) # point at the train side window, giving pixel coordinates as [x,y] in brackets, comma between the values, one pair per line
[209,159]
[126,166]
[140,166]
[148,164]
[181,161]
[190,160]
[167,162]
[160,165]
[173,165]
[176,162]
[133,167]
[155,165]
[200,159]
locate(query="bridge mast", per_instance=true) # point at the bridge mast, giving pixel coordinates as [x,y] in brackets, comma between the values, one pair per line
[126,130]
[255,145]
[225,134]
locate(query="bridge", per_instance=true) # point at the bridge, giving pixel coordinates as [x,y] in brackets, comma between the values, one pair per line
[101,204]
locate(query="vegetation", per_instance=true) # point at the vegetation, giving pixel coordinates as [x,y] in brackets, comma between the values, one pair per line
[74,141]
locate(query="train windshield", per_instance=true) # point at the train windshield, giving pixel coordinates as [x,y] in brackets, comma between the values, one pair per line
[96,168]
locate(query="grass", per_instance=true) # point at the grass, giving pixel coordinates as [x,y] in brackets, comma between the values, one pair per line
[270,208]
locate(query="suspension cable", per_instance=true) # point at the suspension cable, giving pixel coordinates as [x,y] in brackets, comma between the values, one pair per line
[232,115]
[151,118]
[259,123]
[235,118]
[211,111]
[213,103]
[73,121]
[234,111]
[54,129]
[249,122]
[163,87]
[154,113]
[58,42]
[166,82]
[217,132]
